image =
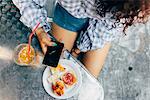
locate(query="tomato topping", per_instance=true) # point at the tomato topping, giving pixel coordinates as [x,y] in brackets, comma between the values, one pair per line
[68,78]
[53,87]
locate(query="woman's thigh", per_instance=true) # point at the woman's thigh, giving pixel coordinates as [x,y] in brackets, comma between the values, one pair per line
[64,35]
[94,60]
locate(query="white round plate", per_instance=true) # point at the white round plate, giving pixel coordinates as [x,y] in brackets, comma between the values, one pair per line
[68,92]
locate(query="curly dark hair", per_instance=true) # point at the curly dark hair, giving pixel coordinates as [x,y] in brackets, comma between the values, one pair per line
[129,10]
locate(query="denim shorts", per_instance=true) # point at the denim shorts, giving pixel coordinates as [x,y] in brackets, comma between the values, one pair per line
[65,20]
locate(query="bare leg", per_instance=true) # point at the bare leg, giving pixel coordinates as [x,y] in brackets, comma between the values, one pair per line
[63,35]
[94,60]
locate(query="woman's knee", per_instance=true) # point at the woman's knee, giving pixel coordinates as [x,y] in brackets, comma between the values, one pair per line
[95,59]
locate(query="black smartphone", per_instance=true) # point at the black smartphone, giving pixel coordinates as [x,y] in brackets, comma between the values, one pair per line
[53,54]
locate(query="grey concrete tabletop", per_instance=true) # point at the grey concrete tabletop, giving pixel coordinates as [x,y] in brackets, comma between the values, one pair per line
[125,75]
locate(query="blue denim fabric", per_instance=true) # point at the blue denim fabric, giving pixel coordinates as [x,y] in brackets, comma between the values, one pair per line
[65,20]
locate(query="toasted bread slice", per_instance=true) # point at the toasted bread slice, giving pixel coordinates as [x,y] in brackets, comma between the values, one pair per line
[58,88]
[69,79]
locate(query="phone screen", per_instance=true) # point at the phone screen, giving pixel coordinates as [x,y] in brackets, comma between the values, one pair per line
[53,54]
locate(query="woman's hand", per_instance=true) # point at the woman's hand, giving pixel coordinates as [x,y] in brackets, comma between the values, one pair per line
[75,52]
[44,39]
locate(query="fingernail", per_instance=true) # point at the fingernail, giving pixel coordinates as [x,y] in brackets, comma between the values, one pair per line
[54,44]
[62,41]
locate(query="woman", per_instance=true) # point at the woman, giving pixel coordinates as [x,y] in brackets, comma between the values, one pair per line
[95,22]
